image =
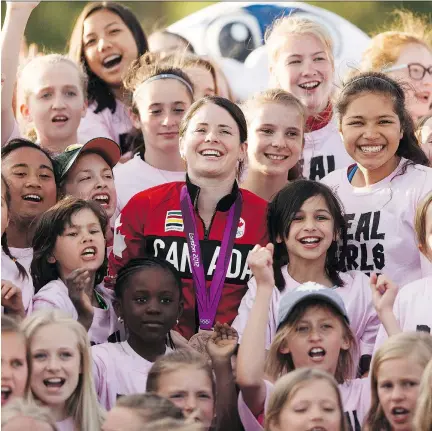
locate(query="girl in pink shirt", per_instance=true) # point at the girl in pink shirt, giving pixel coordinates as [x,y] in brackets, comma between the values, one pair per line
[149,301]
[392,174]
[161,94]
[413,304]
[313,331]
[14,366]
[60,378]
[51,89]
[306,399]
[396,372]
[106,39]
[306,224]
[69,263]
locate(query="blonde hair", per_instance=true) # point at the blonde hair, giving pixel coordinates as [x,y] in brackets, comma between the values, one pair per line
[420,223]
[20,408]
[278,363]
[82,405]
[423,415]
[384,48]
[416,346]
[25,80]
[176,361]
[273,95]
[293,25]
[419,126]
[287,386]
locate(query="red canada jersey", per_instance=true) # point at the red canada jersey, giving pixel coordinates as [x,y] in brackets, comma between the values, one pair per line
[151,224]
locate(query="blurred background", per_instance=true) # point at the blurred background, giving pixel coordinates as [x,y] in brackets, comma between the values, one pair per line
[51,23]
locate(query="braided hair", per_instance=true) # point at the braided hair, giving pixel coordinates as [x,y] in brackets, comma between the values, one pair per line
[140,264]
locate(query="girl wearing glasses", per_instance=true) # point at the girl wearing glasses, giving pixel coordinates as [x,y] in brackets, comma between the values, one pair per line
[405,55]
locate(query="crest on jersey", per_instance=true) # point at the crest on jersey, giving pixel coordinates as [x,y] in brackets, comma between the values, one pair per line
[174,221]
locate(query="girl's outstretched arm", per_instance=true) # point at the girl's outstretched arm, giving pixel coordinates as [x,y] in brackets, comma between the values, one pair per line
[384,293]
[252,353]
[17,16]
[221,347]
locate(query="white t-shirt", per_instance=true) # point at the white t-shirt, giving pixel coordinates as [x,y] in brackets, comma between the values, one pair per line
[356,400]
[118,370]
[324,152]
[9,272]
[105,323]
[355,293]
[412,308]
[115,126]
[136,175]
[381,236]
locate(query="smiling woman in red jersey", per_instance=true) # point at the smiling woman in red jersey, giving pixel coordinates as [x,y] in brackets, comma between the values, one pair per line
[204,227]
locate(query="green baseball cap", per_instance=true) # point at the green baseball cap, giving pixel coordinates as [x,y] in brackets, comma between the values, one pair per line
[104,146]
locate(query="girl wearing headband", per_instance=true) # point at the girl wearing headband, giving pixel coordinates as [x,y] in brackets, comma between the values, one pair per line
[161,96]
[381,191]
[207,218]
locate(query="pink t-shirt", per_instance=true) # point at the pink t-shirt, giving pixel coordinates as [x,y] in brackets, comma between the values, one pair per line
[355,396]
[380,218]
[118,370]
[355,293]
[9,272]
[136,175]
[324,152]
[412,308]
[115,126]
[67,424]
[105,324]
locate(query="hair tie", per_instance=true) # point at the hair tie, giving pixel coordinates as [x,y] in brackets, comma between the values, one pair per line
[166,76]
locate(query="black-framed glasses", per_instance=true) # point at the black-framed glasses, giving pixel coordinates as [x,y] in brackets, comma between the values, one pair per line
[416,71]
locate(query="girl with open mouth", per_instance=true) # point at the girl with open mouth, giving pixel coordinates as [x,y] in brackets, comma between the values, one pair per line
[60,379]
[51,89]
[403,54]
[391,176]
[68,266]
[396,372]
[301,62]
[106,39]
[30,189]
[14,370]
[306,225]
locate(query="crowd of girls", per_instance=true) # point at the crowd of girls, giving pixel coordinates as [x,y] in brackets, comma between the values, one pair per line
[177,259]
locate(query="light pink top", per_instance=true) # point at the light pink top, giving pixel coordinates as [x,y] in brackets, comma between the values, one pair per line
[412,308]
[380,218]
[136,175]
[118,370]
[105,323]
[9,272]
[355,400]
[324,152]
[356,295]
[67,424]
[105,124]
